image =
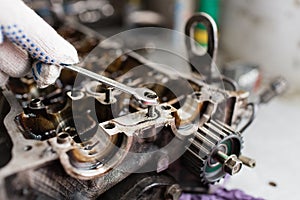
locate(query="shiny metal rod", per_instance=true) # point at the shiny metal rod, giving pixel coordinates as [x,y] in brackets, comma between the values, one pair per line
[143,95]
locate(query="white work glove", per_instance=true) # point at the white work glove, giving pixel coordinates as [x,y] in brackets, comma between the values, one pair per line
[23,35]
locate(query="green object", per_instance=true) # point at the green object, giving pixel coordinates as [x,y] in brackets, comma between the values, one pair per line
[218,166]
[210,7]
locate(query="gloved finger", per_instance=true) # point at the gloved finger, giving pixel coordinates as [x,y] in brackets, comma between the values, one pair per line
[45,74]
[24,27]
[3,78]
[14,61]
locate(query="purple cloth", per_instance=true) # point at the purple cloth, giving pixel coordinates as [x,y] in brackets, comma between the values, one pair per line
[220,194]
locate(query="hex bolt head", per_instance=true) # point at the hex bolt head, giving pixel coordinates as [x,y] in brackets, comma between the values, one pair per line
[232,165]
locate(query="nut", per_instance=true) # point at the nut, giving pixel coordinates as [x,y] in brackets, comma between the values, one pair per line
[232,165]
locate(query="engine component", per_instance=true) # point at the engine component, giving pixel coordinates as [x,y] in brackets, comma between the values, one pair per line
[213,152]
[138,131]
[145,186]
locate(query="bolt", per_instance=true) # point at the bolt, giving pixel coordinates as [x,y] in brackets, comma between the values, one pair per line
[277,87]
[36,103]
[151,111]
[231,164]
[151,108]
[174,191]
[249,162]
[108,95]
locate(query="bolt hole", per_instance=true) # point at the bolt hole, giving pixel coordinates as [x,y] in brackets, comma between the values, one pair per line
[150,95]
[27,148]
[166,107]
[197,94]
[63,135]
[36,103]
[71,131]
[110,125]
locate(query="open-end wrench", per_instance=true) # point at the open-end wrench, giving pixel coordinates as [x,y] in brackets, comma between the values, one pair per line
[143,95]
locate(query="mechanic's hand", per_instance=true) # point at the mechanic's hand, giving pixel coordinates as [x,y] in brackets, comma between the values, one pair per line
[23,35]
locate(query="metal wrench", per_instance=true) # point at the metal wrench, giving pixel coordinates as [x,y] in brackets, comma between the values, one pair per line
[143,95]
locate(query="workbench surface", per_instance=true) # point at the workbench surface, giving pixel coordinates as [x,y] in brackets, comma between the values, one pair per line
[274,141]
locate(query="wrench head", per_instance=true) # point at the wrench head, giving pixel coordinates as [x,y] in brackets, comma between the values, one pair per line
[146,96]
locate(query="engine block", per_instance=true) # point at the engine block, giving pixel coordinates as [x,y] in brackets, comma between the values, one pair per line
[83,139]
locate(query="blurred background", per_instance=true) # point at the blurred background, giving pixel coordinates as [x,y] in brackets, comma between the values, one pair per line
[259,33]
[259,40]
